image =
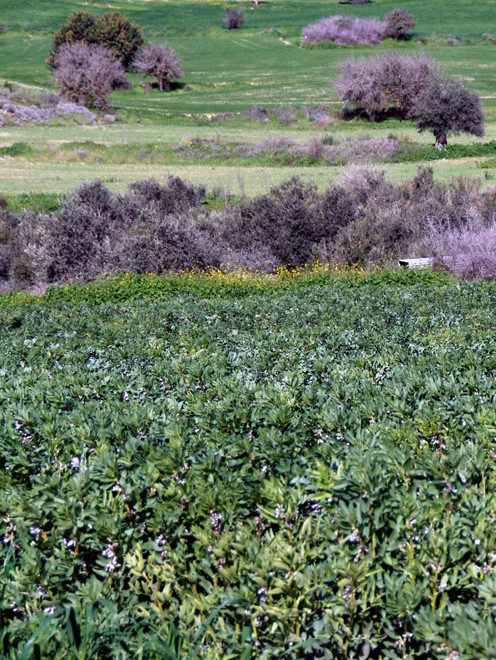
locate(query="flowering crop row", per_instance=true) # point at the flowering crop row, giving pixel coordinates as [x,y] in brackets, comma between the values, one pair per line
[303,472]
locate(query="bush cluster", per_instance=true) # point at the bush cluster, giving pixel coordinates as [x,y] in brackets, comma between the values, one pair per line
[90,56]
[345,31]
[409,87]
[362,219]
[352,31]
[112,30]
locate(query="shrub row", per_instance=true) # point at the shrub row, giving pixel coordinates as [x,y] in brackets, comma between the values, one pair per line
[351,30]
[362,219]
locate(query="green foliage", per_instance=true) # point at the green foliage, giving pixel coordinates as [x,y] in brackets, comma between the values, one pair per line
[112,30]
[17,149]
[121,35]
[279,474]
[37,202]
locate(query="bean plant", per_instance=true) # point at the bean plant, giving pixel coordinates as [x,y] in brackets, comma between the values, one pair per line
[295,472]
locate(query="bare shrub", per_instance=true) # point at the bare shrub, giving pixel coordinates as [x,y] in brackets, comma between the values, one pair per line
[223,116]
[385,84]
[88,74]
[448,106]
[159,61]
[233,18]
[377,236]
[320,113]
[469,251]
[345,31]
[361,180]
[285,114]
[399,22]
[257,114]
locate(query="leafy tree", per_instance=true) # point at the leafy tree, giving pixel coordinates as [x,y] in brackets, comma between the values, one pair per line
[112,30]
[87,74]
[159,61]
[448,106]
[385,84]
[398,23]
[121,35]
[80,26]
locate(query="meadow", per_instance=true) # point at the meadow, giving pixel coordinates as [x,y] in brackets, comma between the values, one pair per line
[290,464]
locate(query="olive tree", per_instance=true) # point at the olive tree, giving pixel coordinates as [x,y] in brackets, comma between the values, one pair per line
[448,106]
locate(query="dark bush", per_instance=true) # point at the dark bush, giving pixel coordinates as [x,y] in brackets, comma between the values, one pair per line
[158,61]
[121,35]
[8,225]
[285,221]
[154,228]
[233,18]
[399,22]
[354,2]
[337,210]
[155,246]
[176,198]
[96,232]
[448,106]
[88,74]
